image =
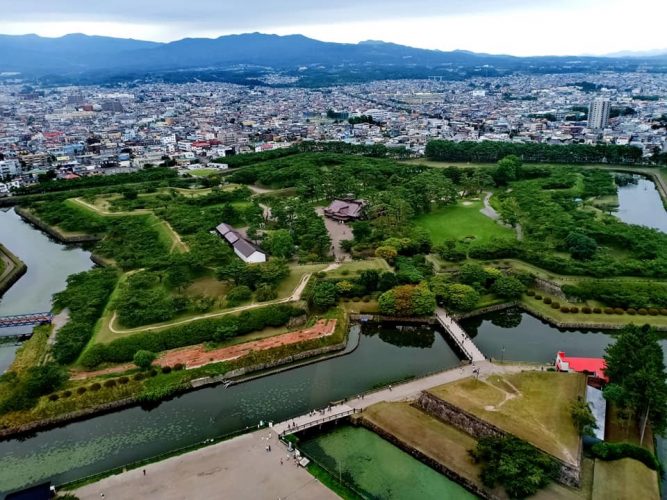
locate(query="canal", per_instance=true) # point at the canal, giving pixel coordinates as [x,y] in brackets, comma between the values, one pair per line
[49,264]
[104,442]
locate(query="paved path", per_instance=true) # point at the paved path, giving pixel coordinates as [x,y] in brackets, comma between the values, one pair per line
[236,469]
[459,336]
[338,232]
[490,212]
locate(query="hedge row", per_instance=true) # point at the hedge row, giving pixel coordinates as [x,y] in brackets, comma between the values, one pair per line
[599,310]
[616,451]
[197,332]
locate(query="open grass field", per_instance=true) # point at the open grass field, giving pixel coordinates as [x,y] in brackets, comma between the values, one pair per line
[522,405]
[352,268]
[203,172]
[623,479]
[297,272]
[450,446]
[461,221]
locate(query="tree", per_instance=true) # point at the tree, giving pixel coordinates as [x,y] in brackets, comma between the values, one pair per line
[460,297]
[324,295]
[279,243]
[581,247]
[508,287]
[387,253]
[423,300]
[144,359]
[507,170]
[582,417]
[636,370]
[520,468]
[473,275]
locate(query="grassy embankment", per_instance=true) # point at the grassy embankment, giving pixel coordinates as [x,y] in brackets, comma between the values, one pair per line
[519,404]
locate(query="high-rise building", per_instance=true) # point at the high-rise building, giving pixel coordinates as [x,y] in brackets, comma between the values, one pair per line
[598,113]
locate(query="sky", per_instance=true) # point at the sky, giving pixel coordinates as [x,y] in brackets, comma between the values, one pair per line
[518,27]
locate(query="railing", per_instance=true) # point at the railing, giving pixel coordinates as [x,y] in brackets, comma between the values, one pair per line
[313,423]
[25,319]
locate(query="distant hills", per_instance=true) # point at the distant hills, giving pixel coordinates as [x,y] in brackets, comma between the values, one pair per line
[79,55]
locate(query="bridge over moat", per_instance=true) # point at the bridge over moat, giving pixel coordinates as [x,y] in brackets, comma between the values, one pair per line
[25,319]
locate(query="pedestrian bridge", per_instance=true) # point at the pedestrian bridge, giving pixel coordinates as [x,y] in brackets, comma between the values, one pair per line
[25,319]
[459,336]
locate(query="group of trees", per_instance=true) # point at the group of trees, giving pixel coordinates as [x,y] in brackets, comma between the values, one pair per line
[490,151]
[636,371]
[635,294]
[407,300]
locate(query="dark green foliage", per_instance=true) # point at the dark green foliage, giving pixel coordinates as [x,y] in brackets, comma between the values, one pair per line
[143,359]
[617,451]
[86,296]
[490,152]
[324,295]
[27,388]
[636,370]
[407,300]
[151,174]
[70,218]
[123,350]
[143,300]
[508,287]
[238,295]
[279,244]
[581,247]
[133,243]
[620,293]
[582,417]
[514,464]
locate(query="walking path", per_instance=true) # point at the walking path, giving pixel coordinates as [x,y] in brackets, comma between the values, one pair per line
[459,336]
[243,468]
[490,212]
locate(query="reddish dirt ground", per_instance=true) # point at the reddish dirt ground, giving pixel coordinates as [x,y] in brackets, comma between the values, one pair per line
[195,356]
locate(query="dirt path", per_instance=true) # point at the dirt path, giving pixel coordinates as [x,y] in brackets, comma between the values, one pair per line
[491,213]
[197,355]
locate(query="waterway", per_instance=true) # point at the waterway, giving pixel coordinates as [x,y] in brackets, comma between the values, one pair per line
[641,204]
[377,468]
[107,441]
[49,264]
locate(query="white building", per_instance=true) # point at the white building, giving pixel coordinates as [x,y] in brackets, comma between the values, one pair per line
[598,113]
[245,250]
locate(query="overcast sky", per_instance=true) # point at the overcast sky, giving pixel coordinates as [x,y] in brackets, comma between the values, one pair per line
[521,27]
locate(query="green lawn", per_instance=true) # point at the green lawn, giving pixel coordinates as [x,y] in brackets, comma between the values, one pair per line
[461,221]
[351,269]
[625,478]
[533,406]
[203,172]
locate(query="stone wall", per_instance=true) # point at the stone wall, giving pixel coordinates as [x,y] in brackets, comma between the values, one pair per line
[52,231]
[569,474]
[549,287]
[432,463]
[15,269]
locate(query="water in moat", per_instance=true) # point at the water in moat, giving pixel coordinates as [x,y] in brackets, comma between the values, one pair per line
[49,264]
[641,204]
[79,449]
[378,469]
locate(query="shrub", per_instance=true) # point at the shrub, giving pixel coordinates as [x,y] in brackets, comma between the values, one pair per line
[143,359]
[631,311]
[616,451]
[66,394]
[555,305]
[547,300]
[139,376]
[608,310]
[565,309]
[574,309]
[538,296]
[206,330]
[153,372]
[642,311]
[586,310]
[663,312]
[653,312]
[53,397]
[619,310]
[355,299]
[95,387]
[81,390]
[179,366]
[123,380]
[110,383]
[366,298]
[597,310]
[530,293]
[166,369]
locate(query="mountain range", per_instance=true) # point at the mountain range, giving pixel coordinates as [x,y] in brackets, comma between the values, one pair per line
[78,54]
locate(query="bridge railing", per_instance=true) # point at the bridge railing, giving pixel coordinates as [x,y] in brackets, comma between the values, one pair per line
[323,420]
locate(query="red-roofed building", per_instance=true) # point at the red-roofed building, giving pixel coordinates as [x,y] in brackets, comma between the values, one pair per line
[593,367]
